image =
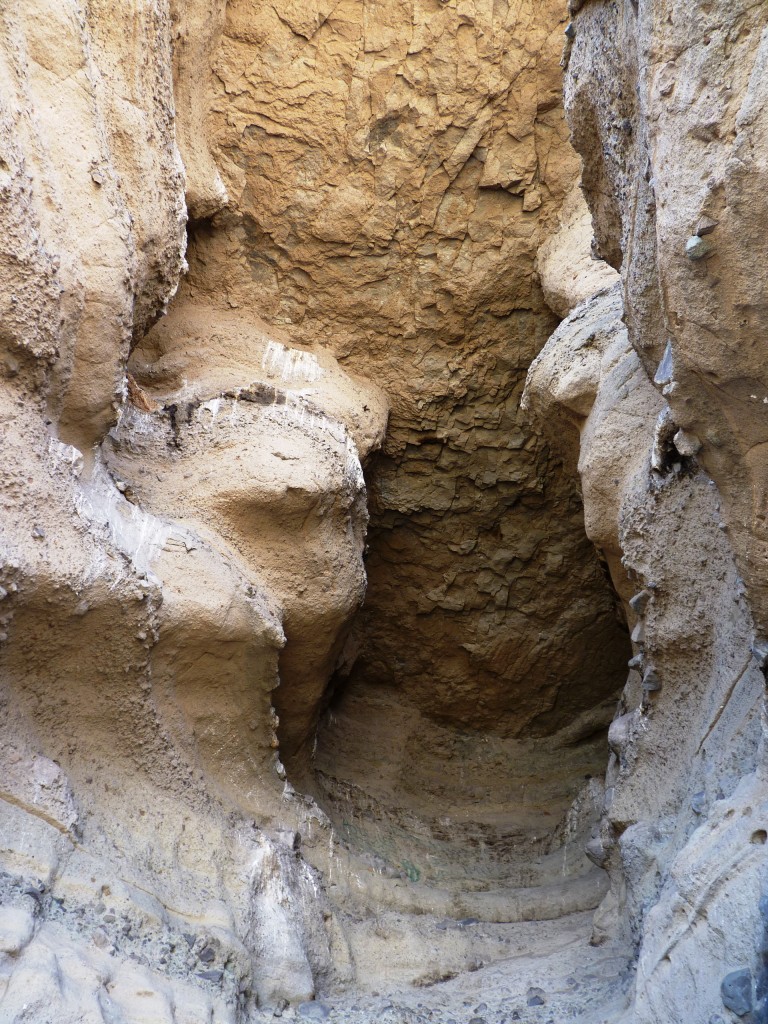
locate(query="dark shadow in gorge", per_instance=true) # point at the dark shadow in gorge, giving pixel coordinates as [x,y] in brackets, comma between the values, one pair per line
[466,788]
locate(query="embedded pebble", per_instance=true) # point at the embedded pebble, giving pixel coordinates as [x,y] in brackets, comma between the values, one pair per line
[687,444]
[706,226]
[651,681]
[16,928]
[314,1010]
[535,997]
[619,732]
[698,802]
[639,602]
[664,370]
[736,991]
[214,975]
[697,248]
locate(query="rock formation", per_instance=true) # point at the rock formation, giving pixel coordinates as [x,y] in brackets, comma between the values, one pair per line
[355,435]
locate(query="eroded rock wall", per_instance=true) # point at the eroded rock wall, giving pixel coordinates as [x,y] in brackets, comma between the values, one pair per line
[378,206]
[665,105]
[393,215]
[364,190]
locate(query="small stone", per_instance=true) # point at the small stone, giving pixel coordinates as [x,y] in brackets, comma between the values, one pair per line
[687,444]
[121,485]
[760,653]
[313,1010]
[100,938]
[190,939]
[706,226]
[635,662]
[698,248]
[619,732]
[207,955]
[215,976]
[639,602]
[664,369]
[570,31]
[736,991]
[3,593]
[109,918]
[38,532]
[481,1008]
[466,922]
[698,802]
[651,681]
[638,634]
[535,997]
[595,851]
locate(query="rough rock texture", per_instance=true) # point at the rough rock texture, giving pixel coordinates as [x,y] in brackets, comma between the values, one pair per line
[665,105]
[268,270]
[394,215]
[185,510]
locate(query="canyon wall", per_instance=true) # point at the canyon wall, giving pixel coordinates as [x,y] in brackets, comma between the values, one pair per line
[347,458]
[663,383]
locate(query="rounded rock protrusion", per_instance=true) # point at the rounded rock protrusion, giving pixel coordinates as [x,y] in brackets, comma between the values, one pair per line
[620,733]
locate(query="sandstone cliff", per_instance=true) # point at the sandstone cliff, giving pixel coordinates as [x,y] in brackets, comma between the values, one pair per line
[355,435]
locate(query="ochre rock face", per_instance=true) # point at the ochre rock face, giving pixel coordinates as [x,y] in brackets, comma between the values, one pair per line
[93,223]
[392,171]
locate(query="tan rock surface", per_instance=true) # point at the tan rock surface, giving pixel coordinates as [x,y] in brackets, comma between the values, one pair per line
[226,783]
[392,172]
